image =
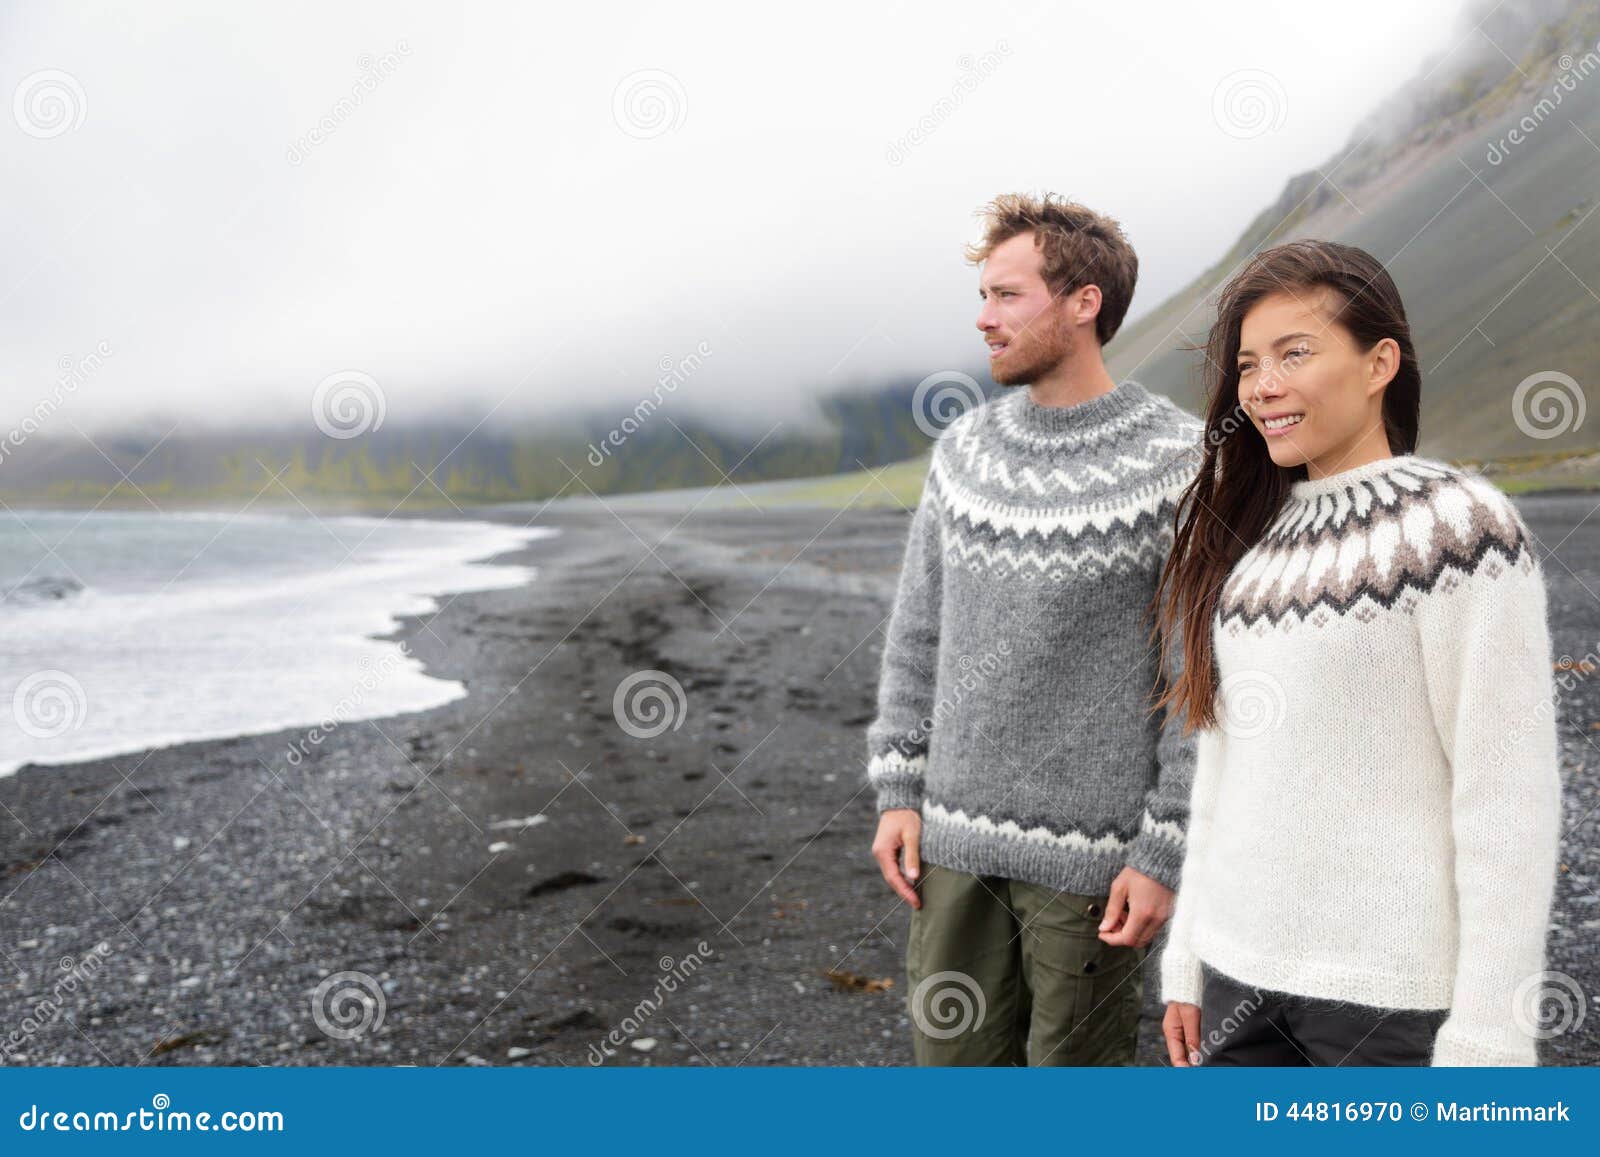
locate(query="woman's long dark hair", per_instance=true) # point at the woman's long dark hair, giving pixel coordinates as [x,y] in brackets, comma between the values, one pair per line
[1238,489]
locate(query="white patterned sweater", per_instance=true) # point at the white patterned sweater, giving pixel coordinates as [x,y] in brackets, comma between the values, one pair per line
[1376,816]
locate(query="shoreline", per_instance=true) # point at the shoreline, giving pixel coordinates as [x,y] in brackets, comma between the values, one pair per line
[460,561]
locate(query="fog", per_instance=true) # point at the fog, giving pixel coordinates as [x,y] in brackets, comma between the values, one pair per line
[501,212]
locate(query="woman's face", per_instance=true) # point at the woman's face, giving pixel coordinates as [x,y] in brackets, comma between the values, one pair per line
[1310,390]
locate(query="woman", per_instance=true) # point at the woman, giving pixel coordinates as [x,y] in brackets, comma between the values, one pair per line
[1373,831]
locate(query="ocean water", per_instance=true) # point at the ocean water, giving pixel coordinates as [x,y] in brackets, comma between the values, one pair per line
[123,631]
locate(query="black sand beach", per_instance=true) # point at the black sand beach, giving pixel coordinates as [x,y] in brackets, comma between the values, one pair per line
[227,882]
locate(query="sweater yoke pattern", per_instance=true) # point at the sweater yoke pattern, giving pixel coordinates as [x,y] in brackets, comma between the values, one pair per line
[1016,670]
[1380,542]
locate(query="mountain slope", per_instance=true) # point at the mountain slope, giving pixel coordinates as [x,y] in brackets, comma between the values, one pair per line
[1489,239]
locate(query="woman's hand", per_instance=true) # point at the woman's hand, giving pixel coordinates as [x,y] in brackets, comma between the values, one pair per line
[1181,1027]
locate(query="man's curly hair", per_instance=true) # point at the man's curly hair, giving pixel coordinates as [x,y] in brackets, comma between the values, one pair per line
[1079,246]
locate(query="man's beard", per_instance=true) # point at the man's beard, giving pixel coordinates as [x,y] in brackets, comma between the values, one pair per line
[1051,349]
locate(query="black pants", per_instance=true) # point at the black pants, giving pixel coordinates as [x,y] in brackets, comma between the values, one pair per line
[1244,1025]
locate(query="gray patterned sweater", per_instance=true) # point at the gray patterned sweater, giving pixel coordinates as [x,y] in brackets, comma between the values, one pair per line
[1014,701]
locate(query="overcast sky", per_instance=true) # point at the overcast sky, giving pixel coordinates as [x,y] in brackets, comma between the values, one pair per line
[530,208]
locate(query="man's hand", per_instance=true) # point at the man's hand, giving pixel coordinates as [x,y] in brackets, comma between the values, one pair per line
[900,827]
[1181,1027]
[1137,909]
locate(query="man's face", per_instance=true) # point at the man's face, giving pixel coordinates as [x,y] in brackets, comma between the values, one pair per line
[1027,331]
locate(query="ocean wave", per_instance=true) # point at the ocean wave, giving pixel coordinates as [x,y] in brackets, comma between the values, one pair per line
[45,589]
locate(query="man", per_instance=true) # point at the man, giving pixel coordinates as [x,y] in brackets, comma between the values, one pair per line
[1032,808]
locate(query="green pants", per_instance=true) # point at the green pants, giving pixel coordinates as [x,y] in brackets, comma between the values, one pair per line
[1002,972]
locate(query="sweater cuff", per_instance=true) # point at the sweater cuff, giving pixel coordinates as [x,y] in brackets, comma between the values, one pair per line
[1180,975]
[897,779]
[1158,851]
[1452,1047]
